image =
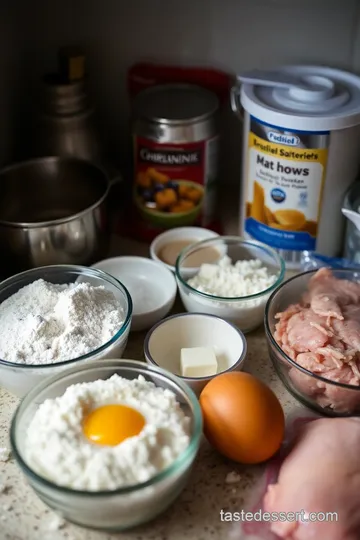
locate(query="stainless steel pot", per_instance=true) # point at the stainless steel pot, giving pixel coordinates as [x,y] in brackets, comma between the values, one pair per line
[53,210]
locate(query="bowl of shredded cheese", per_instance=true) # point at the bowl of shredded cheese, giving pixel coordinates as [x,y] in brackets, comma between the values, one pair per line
[55,316]
[236,286]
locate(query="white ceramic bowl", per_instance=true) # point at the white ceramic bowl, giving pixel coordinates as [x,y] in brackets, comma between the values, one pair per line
[164,342]
[152,287]
[194,234]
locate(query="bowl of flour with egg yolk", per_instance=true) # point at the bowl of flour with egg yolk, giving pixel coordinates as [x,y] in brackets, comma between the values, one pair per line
[109,444]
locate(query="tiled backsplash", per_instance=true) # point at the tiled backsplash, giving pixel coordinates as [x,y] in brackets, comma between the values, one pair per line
[233,34]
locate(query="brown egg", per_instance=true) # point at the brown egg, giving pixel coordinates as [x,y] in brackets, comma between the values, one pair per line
[243,419]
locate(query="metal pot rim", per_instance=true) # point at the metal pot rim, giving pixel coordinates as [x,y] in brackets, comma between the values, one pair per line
[60,221]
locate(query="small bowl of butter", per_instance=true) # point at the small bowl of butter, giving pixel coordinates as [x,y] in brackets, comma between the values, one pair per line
[195,347]
[167,246]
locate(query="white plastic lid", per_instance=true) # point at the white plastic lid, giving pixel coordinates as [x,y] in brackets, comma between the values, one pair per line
[309,98]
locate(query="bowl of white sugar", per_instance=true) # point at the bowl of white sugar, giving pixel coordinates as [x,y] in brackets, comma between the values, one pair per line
[54,317]
[236,286]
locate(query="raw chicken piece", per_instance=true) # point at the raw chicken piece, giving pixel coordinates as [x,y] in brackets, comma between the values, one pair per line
[289,312]
[341,400]
[337,344]
[313,362]
[348,292]
[283,317]
[323,295]
[325,304]
[306,331]
[307,385]
[352,312]
[289,351]
[328,294]
[334,356]
[321,474]
[348,331]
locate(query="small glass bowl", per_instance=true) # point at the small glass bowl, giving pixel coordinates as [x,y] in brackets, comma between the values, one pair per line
[20,378]
[246,312]
[310,389]
[122,508]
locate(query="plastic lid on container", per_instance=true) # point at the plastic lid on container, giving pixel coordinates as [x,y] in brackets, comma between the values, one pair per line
[175,103]
[311,98]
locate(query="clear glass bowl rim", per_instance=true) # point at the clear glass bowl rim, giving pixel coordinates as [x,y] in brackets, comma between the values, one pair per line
[231,239]
[166,473]
[81,270]
[277,347]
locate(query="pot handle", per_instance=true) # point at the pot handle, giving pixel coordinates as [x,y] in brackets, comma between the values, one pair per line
[115,205]
[114,175]
[115,178]
[235,101]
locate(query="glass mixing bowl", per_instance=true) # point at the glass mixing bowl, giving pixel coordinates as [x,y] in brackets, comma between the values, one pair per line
[20,378]
[246,312]
[311,389]
[125,507]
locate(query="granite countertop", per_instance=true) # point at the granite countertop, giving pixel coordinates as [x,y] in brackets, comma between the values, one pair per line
[196,513]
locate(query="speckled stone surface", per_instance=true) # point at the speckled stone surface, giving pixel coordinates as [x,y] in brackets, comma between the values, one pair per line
[196,513]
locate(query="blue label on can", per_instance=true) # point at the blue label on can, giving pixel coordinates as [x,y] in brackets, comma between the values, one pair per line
[279,239]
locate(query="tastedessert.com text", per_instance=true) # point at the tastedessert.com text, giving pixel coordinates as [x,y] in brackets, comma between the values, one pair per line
[259,516]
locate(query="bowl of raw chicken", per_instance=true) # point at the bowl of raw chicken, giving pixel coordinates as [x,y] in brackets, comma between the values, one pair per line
[312,325]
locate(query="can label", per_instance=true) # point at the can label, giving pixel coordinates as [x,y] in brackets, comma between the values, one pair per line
[284,185]
[174,184]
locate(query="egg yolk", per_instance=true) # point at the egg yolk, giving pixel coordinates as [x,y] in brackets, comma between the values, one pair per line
[112,424]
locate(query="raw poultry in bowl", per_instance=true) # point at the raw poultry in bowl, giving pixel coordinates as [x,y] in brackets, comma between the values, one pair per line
[312,325]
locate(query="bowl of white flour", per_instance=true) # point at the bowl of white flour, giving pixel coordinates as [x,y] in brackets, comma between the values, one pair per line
[237,286]
[55,316]
[109,483]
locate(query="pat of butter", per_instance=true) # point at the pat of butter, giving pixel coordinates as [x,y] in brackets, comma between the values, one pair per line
[198,362]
